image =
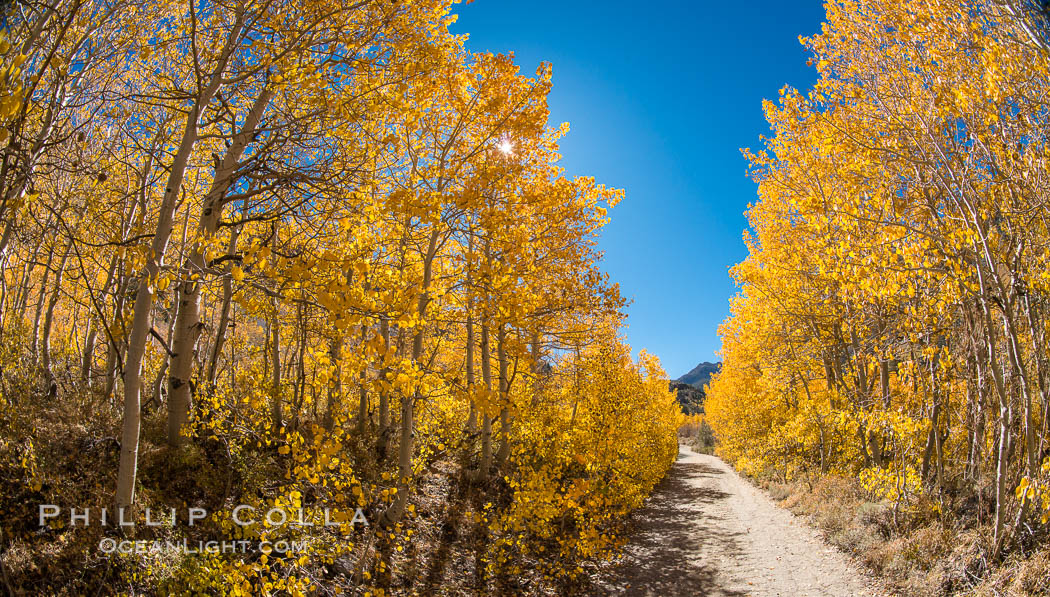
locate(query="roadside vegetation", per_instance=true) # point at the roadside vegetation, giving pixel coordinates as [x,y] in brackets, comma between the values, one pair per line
[313,258]
[885,363]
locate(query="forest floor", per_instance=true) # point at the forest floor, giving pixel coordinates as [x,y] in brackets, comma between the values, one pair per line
[707,531]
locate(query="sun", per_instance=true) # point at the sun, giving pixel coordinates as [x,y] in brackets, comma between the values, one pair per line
[506,147]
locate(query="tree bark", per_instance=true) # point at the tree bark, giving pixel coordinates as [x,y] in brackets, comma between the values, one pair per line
[276,408]
[34,347]
[335,386]
[405,450]
[384,398]
[503,455]
[486,421]
[188,326]
[224,314]
[49,318]
[362,407]
[144,294]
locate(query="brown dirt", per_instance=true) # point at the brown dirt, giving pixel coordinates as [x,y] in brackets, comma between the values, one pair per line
[707,531]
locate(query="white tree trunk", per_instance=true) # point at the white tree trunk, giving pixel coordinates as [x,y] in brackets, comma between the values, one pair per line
[144,294]
[49,318]
[188,326]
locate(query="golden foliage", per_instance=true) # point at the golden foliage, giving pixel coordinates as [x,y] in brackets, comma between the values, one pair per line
[296,256]
[891,318]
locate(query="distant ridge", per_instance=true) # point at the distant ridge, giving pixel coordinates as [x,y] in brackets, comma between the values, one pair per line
[701,374]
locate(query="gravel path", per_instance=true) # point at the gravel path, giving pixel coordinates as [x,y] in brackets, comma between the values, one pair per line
[707,531]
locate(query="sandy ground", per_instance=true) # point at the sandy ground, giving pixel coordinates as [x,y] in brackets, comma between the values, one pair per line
[707,531]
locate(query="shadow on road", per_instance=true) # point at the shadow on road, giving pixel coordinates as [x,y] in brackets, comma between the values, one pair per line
[673,535]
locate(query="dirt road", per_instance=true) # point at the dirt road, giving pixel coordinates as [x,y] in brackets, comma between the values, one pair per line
[707,531]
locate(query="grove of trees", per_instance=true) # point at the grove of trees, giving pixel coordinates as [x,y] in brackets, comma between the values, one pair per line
[307,255]
[892,318]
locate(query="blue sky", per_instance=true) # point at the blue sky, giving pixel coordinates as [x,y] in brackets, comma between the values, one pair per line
[660,97]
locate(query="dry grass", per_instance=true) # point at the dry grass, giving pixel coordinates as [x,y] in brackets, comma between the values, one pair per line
[1019,576]
[918,551]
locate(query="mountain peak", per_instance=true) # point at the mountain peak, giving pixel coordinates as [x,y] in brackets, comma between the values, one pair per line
[700,374]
